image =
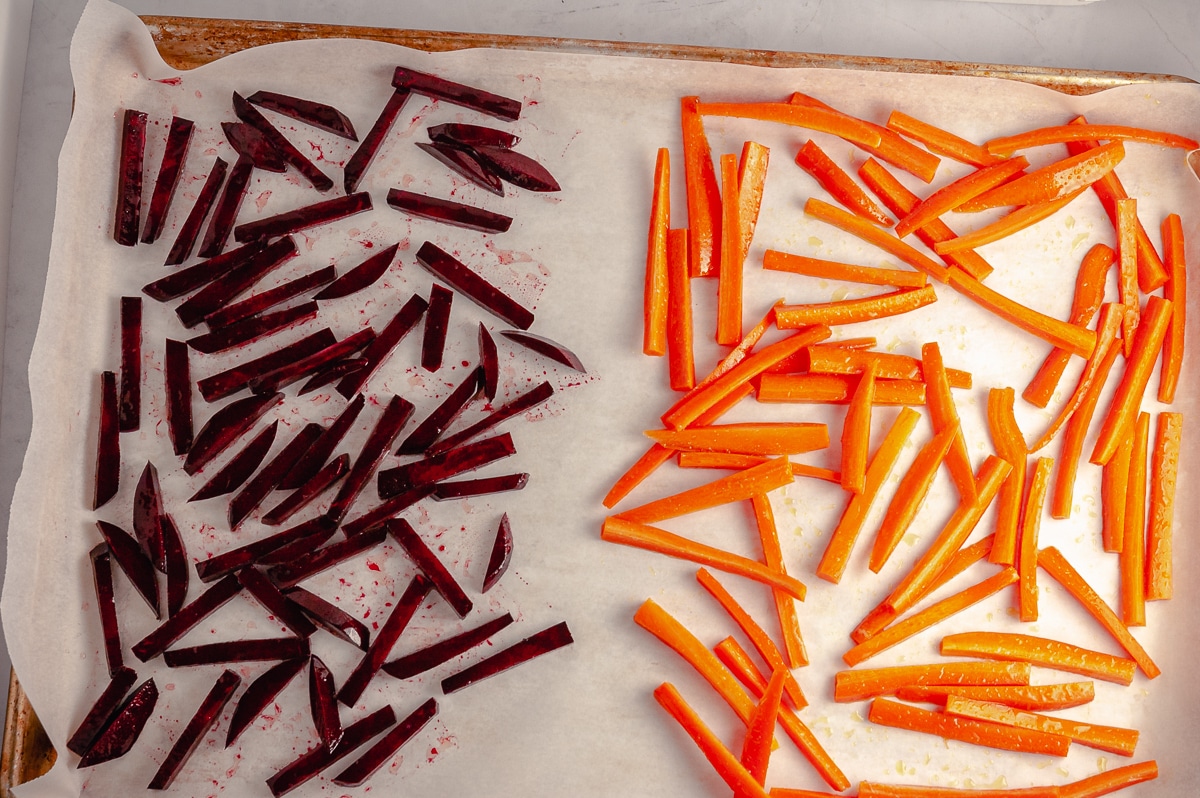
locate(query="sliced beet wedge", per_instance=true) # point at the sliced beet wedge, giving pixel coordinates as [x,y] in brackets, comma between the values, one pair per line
[460,160]
[473,135]
[501,554]
[443,651]
[318,560]
[442,416]
[177,378]
[373,519]
[448,269]
[133,562]
[378,350]
[193,733]
[239,468]
[322,699]
[489,363]
[309,764]
[256,490]
[234,379]
[226,426]
[251,115]
[381,752]
[310,463]
[356,167]
[252,329]
[331,618]
[535,645]
[448,212]
[220,292]
[315,532]
[225,213]
[249,142]
[515,168]
[430,565]
[147,516]
[198,275]
[545,347]
[332,372]
[119,736]
[102,711]
[297,370]
[383,434]
[189,231]
[329,474]
[129,178]
[265,300]
[437,322]
[178,138]
[266,594]
[183,621]
[260,693]
[456,93]
[439,468]
[289,553]
[262,649]
[107,606]
[465,488]
[302,218]
[176,562]
[385,638]
[361,276]
[526,401]
[130,404]
[318,115]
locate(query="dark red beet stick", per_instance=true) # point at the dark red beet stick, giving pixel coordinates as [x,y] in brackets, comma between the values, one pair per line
[322,699]
[448,269]
[443,651]
[266,594]
[102,711]
[456,93]
[356,167]
[260,693]
[302,218]
[464,488]
[309,764]
[189,231]
[448,212]
[526,401]
[226,426]
[235,378]
[133,562]
[178,378]
[437,323]
[176,562]
[118,737]
[301,568]
[378,350]
[130,404]
[147,516]
[317,530]
[178,138]
[129,178]
[461,160]
[377,755]
[252,650]
[252,329]
[239,468]
[257,489]
[226,211]
[251,115]
[106,604]
[331,618]
[361,276]
[265,300]
[193,734]
[312,460]
[535,645]
[390,422]
[385,638]
[430,565]
[442,416]
[438,468]
[183,621]
[319,115]
[296,501]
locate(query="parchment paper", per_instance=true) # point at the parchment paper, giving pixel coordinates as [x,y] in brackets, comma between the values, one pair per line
[581,720]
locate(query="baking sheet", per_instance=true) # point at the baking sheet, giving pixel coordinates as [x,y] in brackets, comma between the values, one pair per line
[581,719]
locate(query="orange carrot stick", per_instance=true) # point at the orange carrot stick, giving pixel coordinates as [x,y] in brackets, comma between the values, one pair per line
[1127,282]
[1031,520]
[1133,546]
[834,359]
[1114,492]
[1114,739]
[1059,134]
[852,311]
[941,141]
[730,273]
[756,748]
[859,685]
[681,365]
[934,614]
[812,118]
[1073,437]
[886,712]
[870,789]
[856,431]
[774,473]
[1010,445]
[963,190]
[726,461]
[872,234]
[1053,181]
[752,177]
[1164,472]
[835,389]
[1110,781]
[654,334]
[841,541]
[1175,291]
[1040,651]
[629,533]
[943,413]
[812,159]
[1009,224]
[770,438]
[776,261]
[739,352]
[1038,698]
[785,607]
[703,192]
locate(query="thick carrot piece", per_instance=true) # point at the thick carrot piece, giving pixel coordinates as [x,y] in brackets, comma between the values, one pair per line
[1059,134]
[629,533]
[776,261]
[1074,436]
[1127,282]
[822,120]
[856,431]
[812,159]
[943,413]
[703,192]
[1009,224]
[785,606]
[681,362]
[874,235]
[930,616]
[730,273]
[654,327]
[1031,521]
[1146,347]
[852,311]
[841,541]
[961,191]
[943,142]
[1110,781]
[835,389]
[886,712]
[743,485]
[1035,698]
[1175,291]
[1114,739]
[756,748]
[771,438]
[833,358]
[870,789]
[723,761]
[1164,473]
[859,685]
[1114,493]
[725,460]
[1042,652]
[1010,445]
[1133,546]
[752,178]
[1053,181]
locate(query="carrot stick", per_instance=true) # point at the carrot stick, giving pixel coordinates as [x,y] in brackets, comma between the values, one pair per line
[1163,476]
[1089,294]
[756,748]
[1114,490]
[833,358]
[943,413]
[859,685]
[793,792]
[1113,739]
[1073,437]
[886,712]
[730,274]
[1010,445]
[812,118]
[703,192]
[860,228]
[775,438]
[681,364]
[723,761]
[934,614]
[835,389]
[1127,282]
[1175,291]
[1059,134]
[852,311]
[785,607]
[1075,339]
[1053,181]
[909,496]
[727,461]
[752,177]
[841,541]
[739,352]
[1040,697]
[654,335]
[954,194]
[1031,519]
[1009,224]
[1133,546]
[1040,651]
[856,431]
[629,533]
[764,478]
[941,141]
[870,789]
[1146,346]
[776,261]
[1110,781]
[812,159]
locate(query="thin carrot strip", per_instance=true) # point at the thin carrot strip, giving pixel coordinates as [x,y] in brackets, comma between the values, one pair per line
[1146,346]
[1055,180]
[909,495]
[835,389]
[1031,521]
[681,363]
[730,274]
[812,159]
[1127,282]
[1110,781]
[1007,225]
[629,533]
[841,541]
[1040,651]
[1073,438]
[725,460]
[886,712]
[723,761]
[960,191]
[1075,339]
[758,636]
[771,438]
[703,193]
[1133,546]
[1114,491]
[1059,134]
[859,685]
[654,334]
[1164,473]
[812,118]
[756,748]
[1175,291]
[852,311]
[943,142]
[1010,445]
[741,351]
[793,792]
[785,607]
[872,234]
[943,413]
[856,431]
[1114,739]
[1039,697]
[764,478]
[930,616]
[834,359]
[870,789]
[776,261]
[752,178]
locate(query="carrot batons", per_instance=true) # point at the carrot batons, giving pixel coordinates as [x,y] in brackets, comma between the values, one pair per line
[654,333]
[1040,651]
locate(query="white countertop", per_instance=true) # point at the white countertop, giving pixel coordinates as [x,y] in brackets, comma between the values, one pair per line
[1157,36]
